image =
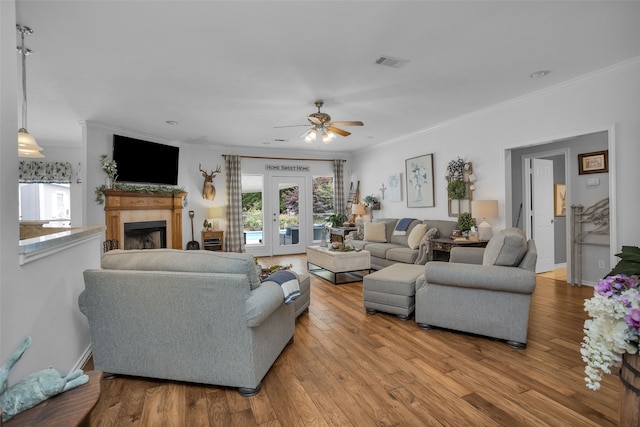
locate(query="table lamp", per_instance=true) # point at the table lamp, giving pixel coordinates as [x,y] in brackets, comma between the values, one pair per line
[358,209]
[216,214]
[484,209]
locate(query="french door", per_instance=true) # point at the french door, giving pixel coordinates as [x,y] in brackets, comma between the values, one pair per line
[288,215]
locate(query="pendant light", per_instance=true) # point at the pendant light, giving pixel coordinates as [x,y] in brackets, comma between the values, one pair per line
[27,145]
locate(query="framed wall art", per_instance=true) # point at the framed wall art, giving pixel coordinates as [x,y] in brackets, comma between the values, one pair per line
[594,162]
[419,175]
[559,197]
[395,187]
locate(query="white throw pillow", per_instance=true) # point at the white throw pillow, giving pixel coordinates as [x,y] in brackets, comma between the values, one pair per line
[416,235]
[375,232]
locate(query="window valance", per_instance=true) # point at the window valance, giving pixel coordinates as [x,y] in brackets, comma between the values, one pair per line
[31,172]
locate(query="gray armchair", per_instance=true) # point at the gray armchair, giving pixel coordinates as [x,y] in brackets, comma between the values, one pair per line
[484,291]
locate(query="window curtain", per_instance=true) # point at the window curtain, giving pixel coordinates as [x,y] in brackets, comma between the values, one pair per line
[34,172]
[338,186]
[234,241]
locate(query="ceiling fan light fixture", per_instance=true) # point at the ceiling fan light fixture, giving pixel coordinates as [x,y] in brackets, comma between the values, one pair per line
[311,136]
[327,137]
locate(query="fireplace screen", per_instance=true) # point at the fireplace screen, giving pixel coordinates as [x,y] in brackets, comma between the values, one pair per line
[145,235]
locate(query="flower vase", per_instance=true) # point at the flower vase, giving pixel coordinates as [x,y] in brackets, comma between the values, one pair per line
[630,393]
[323,240]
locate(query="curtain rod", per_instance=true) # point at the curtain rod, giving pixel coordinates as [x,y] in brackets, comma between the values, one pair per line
[284,158]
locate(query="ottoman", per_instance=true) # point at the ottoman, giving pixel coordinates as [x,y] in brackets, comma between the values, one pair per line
[392,290]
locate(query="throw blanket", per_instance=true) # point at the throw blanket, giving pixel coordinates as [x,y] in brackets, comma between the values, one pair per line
[288,282]
[401,226]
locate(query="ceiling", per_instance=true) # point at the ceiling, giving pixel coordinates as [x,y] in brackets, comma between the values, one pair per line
[230,72]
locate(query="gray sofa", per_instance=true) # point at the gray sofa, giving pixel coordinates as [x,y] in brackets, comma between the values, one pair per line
[196,316]
[484,291]
[396,248]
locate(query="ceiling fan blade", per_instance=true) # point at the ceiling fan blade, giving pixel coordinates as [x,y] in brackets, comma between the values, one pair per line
[290,126]
[338,131]
[352,123]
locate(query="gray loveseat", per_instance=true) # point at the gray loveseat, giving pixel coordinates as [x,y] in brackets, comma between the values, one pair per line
[196,316]
[395,248]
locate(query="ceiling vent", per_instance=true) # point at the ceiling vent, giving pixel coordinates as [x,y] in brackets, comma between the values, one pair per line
[391,61]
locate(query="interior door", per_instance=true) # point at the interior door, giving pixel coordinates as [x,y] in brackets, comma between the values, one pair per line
[542,217]
[288,216]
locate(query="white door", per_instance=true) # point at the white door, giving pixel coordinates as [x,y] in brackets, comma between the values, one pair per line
[288,215]
[542,213]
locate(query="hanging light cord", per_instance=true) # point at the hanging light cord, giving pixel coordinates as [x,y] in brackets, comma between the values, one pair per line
[23,30]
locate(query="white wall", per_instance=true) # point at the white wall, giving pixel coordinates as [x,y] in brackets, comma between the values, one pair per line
[99,139]
[8,163]
[592,103]
[39,298]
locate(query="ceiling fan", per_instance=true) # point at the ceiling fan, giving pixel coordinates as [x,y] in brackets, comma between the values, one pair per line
[323,127]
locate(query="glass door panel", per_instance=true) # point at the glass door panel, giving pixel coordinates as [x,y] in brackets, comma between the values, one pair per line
[289,234]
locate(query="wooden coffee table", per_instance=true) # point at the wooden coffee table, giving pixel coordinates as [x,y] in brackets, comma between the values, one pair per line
[331,264]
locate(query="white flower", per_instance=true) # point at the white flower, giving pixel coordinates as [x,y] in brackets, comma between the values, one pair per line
[608,334]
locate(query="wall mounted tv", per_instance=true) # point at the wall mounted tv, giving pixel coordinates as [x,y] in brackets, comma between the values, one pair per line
[145,162]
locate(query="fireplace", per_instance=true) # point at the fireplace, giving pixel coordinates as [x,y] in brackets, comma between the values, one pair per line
[122,207]
[145,235]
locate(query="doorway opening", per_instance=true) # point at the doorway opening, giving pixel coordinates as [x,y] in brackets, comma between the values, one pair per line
[578,190]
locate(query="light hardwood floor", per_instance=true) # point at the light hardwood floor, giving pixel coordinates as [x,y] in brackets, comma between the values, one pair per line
[347,368]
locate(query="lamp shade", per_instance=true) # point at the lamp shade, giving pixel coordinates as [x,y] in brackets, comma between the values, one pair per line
[358,209]
[485,208]
[217,212]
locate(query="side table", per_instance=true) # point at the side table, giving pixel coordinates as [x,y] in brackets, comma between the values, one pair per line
[70,408]
[440,248]
[213,240]
[338,233]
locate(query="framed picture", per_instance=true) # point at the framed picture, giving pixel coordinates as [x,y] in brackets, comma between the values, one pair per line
[394,183]
[559,197]
[594,162]
[419,173]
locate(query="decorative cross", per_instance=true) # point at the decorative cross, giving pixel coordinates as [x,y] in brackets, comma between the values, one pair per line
[383,189]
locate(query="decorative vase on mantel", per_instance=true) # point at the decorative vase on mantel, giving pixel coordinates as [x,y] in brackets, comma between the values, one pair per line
[109,183]
[630,392]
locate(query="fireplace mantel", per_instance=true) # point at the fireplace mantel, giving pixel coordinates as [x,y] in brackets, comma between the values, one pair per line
[123,206]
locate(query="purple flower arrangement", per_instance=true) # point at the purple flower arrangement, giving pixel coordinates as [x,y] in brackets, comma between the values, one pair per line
[614,327]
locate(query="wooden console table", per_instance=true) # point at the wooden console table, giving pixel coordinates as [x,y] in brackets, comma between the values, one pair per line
[441,247]
[67,409]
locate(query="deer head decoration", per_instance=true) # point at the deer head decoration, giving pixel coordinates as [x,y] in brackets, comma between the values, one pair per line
[208,190]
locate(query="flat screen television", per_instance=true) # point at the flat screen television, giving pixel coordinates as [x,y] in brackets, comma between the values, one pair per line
[145,162]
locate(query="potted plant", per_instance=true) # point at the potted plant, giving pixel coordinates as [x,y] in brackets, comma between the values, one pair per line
[465,222]
[371,201]
[337,219]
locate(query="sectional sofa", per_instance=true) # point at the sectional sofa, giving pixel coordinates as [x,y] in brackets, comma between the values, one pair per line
[399,240]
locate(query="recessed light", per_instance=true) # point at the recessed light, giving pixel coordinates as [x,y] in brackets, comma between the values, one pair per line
[539,74]
[171,122]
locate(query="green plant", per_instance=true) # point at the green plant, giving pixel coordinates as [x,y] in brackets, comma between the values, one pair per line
[337,219]
[466,221]
[370,200]
[456,189]
[629,263]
